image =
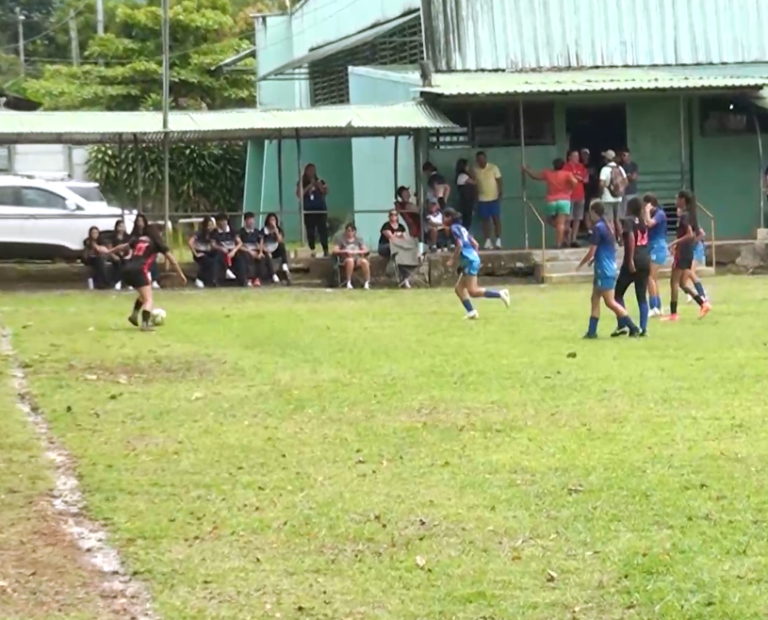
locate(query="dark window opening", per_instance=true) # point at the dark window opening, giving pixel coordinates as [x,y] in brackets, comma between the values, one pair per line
[726,116]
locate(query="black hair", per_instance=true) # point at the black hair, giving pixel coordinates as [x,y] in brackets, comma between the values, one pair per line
[558,163]
[400,190]
[269,215]
[221,216]
[153,232]
[634,206]
[350,226]
[117,223]
[452,214]
[598,208]
[572,151]
[136,230]
[691,207]
[461,166]
[91,229]
[249,215]
[651,198]
[204,225]
[428,167]
[479,153]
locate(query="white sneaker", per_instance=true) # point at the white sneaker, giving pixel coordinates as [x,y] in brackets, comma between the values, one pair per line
[498,244]
[367,286]
[199,283]
[406,283]
[652,313]
[472,316]
[155,284]
[249,284]
[119,286]
[90,284]
[349,285]
[488,245]
[130,288]
[275,279]
[230,275]
[505,297]
[285,268]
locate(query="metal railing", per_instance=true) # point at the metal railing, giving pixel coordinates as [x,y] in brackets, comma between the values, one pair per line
[528,205]
[711,217]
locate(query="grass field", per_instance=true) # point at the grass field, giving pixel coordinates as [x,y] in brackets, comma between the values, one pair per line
[312,454]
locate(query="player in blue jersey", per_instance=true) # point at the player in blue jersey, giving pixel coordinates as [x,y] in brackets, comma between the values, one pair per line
[656,221]
[602,252]
[469,265]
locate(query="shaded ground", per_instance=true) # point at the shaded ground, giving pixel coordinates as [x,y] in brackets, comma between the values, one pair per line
[42,572]
[371,455]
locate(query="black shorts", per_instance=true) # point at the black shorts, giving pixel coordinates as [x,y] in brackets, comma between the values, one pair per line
[683,258]
[135,276]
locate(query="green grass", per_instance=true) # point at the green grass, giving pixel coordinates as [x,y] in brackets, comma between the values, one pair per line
[301,453]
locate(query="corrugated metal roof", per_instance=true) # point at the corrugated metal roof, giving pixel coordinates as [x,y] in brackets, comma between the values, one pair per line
[599,80]
[487,35]
[110,127]
[347,43]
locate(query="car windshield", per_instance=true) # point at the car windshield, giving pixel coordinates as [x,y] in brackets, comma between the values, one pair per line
[91,194]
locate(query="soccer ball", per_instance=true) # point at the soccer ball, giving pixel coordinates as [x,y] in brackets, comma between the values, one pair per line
[158,316]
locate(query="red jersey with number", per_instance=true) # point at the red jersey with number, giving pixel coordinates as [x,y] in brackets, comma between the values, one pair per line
[144,249]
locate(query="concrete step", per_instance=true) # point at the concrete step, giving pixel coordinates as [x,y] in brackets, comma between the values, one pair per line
[568,277]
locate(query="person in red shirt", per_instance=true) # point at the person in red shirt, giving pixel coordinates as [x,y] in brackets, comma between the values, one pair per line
[560,185]
[579,170]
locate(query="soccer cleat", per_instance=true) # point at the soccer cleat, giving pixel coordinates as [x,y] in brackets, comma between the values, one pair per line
[671,318]
[199,283]
[643,333]
[589,336]
[134,320]
[504,295]
[620,331]
[472,316]
[654,312]
[146,327]
[705,309]
[634,333]
[488,245]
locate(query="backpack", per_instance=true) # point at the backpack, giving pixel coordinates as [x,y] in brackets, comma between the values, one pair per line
[618,184]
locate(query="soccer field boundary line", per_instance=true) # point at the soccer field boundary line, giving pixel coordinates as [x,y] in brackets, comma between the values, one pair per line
[130,597]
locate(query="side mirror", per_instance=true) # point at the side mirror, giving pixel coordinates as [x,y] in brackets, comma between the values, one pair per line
[71,205]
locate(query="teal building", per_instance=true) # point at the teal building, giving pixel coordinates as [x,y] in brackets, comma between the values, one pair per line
[680,83]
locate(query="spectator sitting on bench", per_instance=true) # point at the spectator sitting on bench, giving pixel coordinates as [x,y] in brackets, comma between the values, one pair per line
[251,254]
[119,236]
[227,244]
[436,234]
[351,252]
[394,240]
[274,248]
[209,261]
[95,256]
[140,225]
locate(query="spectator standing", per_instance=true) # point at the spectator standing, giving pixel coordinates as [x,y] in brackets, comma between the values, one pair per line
[209,261]
[226,242]
[560,185]
[632,171]
[251,254]
[95,256]
[613,185]
[489,195]
[578,195]
[438,189]
[274,249]
[351,252]
[314,191]
[467,190]
[408,210]
[140,225]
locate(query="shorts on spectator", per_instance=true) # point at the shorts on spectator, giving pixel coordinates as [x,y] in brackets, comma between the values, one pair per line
[622,210]
[558,207]
[492,208]
[611,209]
[577,210]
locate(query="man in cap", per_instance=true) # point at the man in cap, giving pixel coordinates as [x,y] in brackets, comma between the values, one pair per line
[613,186]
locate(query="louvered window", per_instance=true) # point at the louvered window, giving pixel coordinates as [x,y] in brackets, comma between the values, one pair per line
[329,78]
[486,126]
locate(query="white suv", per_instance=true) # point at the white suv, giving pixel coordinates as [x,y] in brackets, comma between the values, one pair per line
[43,220]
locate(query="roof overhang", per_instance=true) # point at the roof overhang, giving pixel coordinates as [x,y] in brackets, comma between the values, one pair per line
[352,121]
[248,54]
[600,80]
[347,43]
[761,98]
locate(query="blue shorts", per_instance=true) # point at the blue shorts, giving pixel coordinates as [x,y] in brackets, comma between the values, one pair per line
[698,254]
[492,208]
[604,281]
[470,266]
[659,253]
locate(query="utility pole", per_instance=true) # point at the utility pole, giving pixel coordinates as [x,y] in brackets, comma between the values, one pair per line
[100,17]
[20,24]
[166,104]
[74,39]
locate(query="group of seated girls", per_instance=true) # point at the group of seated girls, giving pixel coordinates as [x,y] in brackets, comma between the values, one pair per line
[105,265]
[248,256]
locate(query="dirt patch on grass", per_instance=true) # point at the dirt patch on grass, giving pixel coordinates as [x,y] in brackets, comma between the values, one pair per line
[148,371]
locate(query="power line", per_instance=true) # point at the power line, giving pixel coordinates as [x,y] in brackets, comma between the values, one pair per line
[65,22]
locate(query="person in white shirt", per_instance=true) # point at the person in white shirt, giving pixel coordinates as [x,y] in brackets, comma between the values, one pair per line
[613,185]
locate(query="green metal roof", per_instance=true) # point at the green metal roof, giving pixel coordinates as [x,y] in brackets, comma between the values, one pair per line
[746,76]
[110,127]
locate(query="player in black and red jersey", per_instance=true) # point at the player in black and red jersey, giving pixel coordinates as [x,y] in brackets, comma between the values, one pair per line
[683,246]
[144,251]
[636,268]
